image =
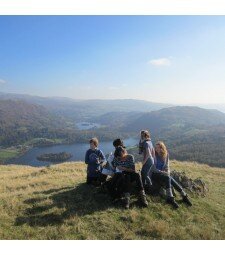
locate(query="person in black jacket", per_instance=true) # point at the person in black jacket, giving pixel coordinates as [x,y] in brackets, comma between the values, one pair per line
[125,168]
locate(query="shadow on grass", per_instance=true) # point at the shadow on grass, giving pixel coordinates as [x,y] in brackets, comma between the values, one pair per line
[65,203]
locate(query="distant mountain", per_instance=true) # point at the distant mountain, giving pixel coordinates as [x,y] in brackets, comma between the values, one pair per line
[117,119]
[177,117]
[20,121]
[81,110]
[191,133]
[219,107]
[17,113]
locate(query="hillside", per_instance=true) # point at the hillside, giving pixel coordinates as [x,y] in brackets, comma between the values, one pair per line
[117,119]
[80,110]
[191,133]
[54,203]
[16,113]
[21,121]
[178,116]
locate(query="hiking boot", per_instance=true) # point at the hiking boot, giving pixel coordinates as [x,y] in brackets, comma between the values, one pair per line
[187,200]
[127,201]
[143,199]
[171,200]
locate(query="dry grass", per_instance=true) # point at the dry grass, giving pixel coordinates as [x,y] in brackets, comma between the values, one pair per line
[54,203]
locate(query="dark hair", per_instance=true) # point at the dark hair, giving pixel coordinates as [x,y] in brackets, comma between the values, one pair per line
[94,141]
[146,134]
[118,142]
[119,151]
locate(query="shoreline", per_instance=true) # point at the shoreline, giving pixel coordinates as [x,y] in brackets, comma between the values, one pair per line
[19,150]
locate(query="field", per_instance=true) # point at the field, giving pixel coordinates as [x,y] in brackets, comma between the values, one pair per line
[55,203]
[8,153]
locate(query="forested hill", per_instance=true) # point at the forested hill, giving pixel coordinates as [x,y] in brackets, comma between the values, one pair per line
[20,121]
[18,113]
[179,116]
[191,133]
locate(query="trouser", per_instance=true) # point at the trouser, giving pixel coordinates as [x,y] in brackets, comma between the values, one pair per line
[101,178]
[145,172]
[91,180]
[116,185]
[168,182]
[162,179]
[130,177]
[121,183]
[176,185]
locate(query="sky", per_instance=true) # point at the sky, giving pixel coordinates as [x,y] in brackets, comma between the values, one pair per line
[167,59]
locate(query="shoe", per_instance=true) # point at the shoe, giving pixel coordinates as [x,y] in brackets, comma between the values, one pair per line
[187,200]
[171,200]
[143,199]
[127,201]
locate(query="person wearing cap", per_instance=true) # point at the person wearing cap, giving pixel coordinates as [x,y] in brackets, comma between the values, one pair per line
[124,162]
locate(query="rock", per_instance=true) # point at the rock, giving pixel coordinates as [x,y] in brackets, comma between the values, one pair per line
[197,186]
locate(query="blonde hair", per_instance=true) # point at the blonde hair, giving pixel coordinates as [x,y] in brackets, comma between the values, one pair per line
[94,140]
[163,149]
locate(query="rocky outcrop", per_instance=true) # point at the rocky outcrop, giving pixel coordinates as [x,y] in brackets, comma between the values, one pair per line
[197,186]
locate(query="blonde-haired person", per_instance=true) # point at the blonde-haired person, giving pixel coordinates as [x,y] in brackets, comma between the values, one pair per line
[162,174]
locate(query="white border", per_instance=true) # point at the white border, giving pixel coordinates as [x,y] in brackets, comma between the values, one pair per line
[111,247]
[112,7]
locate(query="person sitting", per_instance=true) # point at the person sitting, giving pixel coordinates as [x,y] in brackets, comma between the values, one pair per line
[94,159]
[162,167]
[125,166]
[109,168]
[113,185]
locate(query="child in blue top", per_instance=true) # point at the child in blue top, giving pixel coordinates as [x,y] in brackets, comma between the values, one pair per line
[94,159]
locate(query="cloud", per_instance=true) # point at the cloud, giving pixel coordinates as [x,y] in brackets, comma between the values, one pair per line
[160,62]
[2,82]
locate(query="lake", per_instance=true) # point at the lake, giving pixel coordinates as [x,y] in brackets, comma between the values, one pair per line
[87,125]
[78,151]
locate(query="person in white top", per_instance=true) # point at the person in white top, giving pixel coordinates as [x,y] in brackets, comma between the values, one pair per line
[109,168]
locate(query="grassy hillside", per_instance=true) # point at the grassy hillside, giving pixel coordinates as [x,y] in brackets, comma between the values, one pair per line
[54,203]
